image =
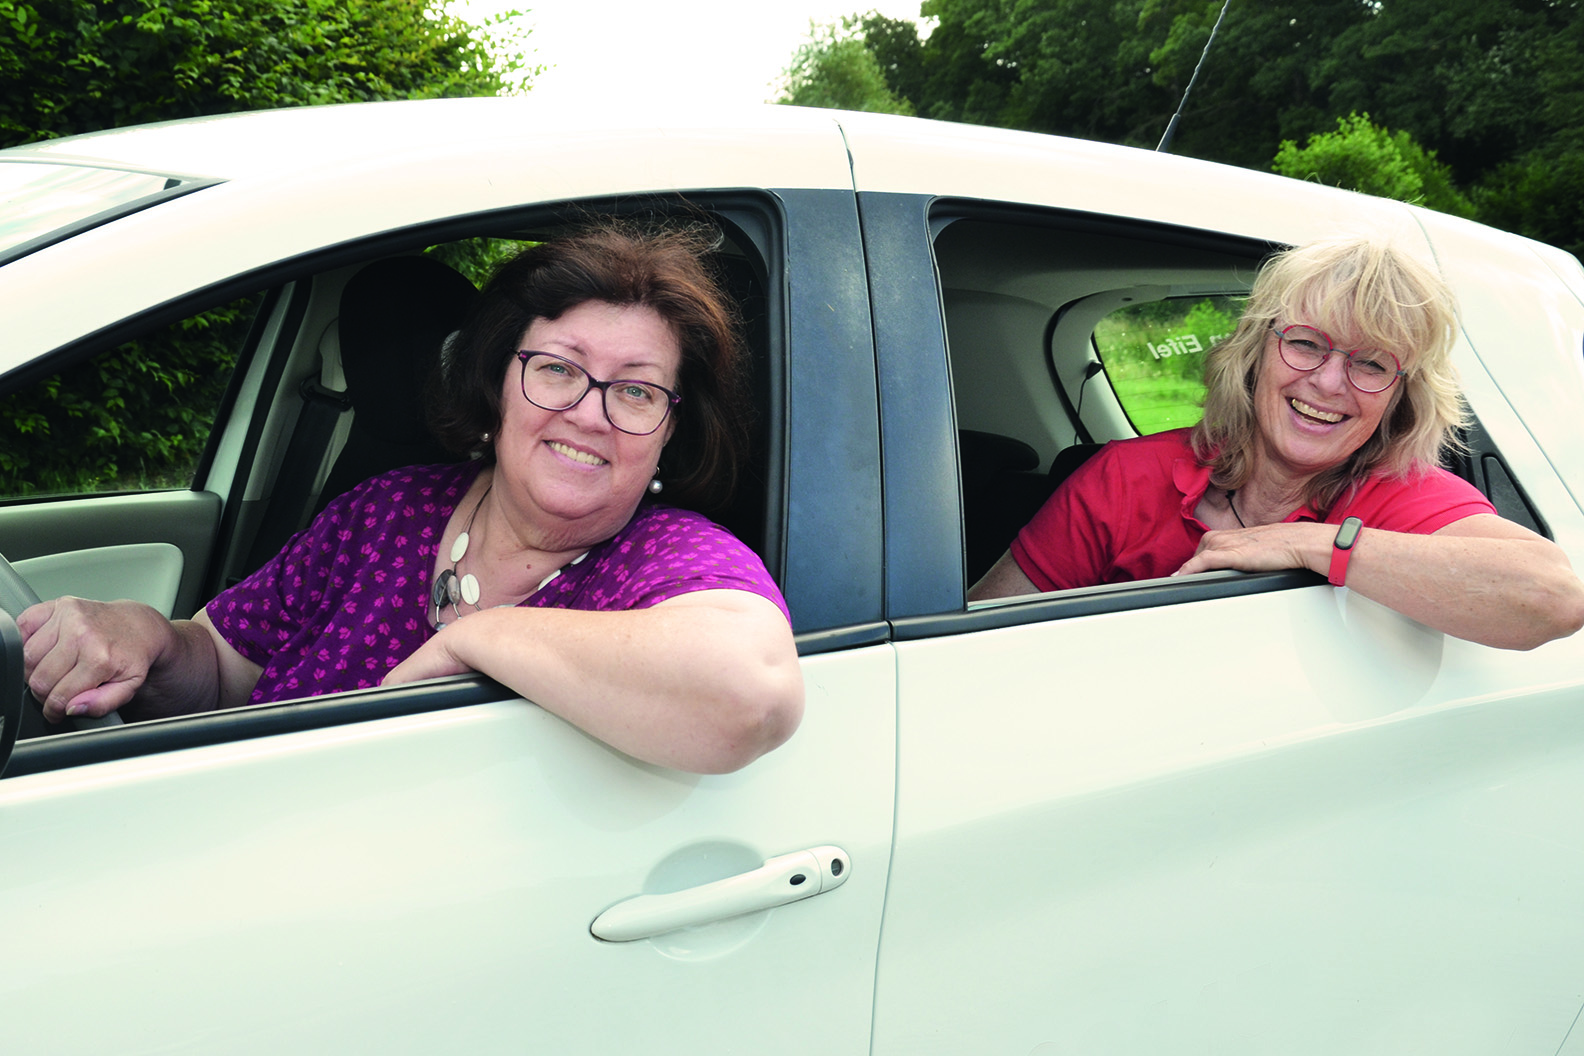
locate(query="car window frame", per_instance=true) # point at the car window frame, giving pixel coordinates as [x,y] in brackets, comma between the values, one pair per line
[926,546]
[809,235]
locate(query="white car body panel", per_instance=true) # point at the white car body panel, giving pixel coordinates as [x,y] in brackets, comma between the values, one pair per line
[1291,821]
[1221,796]
[968,161]
[1290,864]
[426,884]
[1536,356]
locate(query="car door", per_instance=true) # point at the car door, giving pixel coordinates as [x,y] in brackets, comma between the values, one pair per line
[429,882]
[444,867]
[1237,814]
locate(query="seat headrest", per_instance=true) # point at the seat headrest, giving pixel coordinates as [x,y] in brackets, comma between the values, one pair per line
[395,315]
[993,453]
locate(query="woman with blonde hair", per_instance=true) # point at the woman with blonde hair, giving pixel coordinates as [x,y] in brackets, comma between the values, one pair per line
[1326,414]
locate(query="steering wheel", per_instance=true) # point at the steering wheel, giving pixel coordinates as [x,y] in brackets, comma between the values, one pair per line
[16,595]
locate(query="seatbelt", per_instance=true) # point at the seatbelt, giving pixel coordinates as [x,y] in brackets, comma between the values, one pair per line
[295,492]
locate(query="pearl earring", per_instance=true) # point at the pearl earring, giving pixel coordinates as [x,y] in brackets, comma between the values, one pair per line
[655,487]
[484,438]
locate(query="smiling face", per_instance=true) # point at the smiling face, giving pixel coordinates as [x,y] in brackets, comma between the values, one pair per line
[570,478]
[1311,421]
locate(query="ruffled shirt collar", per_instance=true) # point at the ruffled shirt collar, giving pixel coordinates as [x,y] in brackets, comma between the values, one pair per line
[1192,479]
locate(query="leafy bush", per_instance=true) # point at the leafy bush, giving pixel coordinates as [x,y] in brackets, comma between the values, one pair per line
[138,417]
[135,418]
[477,258]
[1362,156]
[1539,196]
[836,69]
[69,66]
[1154,357]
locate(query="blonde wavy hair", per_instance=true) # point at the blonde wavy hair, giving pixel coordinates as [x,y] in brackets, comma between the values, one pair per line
[1365,288]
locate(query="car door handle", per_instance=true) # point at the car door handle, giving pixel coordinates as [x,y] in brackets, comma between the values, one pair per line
[782,879]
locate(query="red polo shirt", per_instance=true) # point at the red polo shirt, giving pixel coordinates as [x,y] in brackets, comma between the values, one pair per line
[1128,513]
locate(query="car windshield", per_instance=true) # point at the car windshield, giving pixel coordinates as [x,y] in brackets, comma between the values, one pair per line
[38,200]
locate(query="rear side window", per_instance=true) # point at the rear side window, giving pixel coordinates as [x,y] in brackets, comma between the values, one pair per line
[1153,354]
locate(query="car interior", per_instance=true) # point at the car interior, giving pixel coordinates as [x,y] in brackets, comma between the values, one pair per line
[1033,398]
[1034,392]
[354,387]
[331,370]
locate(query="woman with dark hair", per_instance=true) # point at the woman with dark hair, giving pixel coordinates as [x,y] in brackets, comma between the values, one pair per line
[595,372]
[613,265]
[1326,414]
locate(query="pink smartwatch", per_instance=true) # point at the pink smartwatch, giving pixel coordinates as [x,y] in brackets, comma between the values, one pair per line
[1342,550]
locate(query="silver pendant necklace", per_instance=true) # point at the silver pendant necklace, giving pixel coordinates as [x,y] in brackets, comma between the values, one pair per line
[448,588]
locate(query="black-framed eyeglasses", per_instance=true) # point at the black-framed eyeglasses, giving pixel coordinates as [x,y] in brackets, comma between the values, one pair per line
[1306,347]
[555,383]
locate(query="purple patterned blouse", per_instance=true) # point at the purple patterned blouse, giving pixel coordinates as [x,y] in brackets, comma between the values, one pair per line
[347,599]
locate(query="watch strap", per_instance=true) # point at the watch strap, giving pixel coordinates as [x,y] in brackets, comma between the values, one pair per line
[1342,550]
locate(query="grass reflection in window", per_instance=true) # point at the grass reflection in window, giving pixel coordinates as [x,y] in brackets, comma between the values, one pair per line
[1153,354]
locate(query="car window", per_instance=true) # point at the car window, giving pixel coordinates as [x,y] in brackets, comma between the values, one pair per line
[139,416]
[42,198]
[135,418]
[1153,355]
[477,258]
[1064,335]
[311,448]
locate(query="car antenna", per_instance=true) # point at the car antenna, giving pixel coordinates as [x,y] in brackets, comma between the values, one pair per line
[1171,127]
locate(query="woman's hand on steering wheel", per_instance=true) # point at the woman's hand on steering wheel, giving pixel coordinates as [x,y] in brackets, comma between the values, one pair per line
[85,659]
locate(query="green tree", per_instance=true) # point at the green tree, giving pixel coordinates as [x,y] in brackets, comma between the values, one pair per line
[69,66]
[1257,85]
[1477,82]
[1074,67]
[834,68]
[1540,195]
[1462,75]
[899,52]
[1363,156]
[1489,93]
[1537,188]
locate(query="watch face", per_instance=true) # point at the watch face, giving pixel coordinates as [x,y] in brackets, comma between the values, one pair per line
[1348,534]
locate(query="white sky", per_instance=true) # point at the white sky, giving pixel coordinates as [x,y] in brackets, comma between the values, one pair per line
[709,51]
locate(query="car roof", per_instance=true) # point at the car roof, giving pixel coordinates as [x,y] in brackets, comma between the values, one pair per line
[743,146]
[292,182]
[314,138]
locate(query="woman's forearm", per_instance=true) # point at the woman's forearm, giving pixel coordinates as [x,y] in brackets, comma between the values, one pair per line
[182,680]
[1506,591]
[1483,579]
[706,682]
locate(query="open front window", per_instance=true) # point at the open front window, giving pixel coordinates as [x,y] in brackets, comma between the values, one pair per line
[1065,334]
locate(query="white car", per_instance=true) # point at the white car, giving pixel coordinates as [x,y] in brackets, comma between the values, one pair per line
[1224,813]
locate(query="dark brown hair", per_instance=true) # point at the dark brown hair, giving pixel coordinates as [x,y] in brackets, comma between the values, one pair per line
[622,264]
